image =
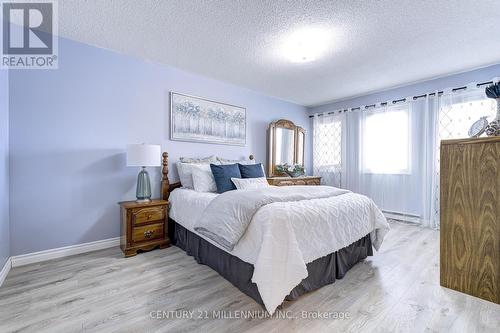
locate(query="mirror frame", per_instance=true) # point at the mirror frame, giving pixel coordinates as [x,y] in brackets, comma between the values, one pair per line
[271,159]
[299,130]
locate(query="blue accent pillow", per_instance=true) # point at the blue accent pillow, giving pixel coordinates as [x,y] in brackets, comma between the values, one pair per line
[223,174]
[251,170]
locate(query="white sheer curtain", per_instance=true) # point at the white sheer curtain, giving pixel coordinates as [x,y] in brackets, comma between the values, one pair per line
[387,155]
[390,152]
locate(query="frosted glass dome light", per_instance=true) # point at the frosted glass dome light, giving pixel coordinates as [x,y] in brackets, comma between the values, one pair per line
[306,44]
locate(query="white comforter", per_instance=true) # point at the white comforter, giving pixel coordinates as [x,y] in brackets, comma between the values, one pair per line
[239,207]
[284,236]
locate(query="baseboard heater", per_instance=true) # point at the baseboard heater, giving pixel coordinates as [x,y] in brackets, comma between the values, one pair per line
[405,217]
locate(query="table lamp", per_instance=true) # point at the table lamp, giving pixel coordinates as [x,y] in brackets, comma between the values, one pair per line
[143,155]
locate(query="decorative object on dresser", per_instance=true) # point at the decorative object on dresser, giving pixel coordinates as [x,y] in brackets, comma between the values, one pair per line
[286,145]
[290,181]
[201,120]
[143,155]
[143,226]
[493,91]
[295,170]
[470,216]
[478,128]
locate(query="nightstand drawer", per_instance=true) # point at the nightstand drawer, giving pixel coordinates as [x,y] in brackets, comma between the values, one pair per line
[148,232]
[145,215]
[285,183]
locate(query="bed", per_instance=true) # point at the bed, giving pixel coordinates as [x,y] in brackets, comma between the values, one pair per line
[288,248]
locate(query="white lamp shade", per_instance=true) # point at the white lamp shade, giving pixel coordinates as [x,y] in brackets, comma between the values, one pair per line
[143,155]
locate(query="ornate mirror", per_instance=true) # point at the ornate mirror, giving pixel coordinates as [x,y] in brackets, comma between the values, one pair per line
[286,145]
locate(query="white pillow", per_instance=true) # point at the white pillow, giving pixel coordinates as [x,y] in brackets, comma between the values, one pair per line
[224,161]
[209,159]
[185,171]
[185,165]
[250,183]
[203,179]
[185,174]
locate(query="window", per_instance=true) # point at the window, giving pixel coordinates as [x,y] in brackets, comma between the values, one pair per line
[329,140]
[386,141]
[327,148]
[456,118]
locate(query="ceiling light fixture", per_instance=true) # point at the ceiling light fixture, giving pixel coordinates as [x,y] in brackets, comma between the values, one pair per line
[306,44]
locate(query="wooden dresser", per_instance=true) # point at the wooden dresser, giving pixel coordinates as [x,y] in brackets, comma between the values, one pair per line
[289,181]
[143,226]
[470,216]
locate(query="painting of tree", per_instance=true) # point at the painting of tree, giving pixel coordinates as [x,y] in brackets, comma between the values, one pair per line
[202,120]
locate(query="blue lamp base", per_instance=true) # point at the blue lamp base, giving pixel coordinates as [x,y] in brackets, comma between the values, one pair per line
[143,192]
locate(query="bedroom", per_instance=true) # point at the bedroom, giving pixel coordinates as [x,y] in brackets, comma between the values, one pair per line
[312,179]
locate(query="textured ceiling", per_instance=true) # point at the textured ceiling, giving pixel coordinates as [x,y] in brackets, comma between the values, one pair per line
[374,44]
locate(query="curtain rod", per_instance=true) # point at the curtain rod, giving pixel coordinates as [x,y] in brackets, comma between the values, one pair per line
[401,100]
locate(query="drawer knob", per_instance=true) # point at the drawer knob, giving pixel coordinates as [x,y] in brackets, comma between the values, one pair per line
[149,216]
[148,233]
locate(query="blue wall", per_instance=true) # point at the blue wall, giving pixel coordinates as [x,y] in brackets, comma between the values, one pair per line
[452,81]
[4,168]
[69,128]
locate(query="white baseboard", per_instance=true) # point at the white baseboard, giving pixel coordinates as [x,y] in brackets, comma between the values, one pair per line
[30,258]
[402,217]
[5,270]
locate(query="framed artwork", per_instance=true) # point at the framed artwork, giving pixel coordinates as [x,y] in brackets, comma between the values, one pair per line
[197,119]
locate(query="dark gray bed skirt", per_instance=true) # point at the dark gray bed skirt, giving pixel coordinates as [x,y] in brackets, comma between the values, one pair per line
[322,271]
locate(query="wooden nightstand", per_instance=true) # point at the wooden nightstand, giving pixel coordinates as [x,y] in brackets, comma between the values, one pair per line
[143,226]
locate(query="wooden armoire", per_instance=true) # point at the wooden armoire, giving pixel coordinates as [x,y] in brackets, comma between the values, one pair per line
[470,216]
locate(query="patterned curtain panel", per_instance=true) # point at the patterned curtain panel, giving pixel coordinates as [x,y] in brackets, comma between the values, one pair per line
[328,148]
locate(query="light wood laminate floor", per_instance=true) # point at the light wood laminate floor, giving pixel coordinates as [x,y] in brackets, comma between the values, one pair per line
[396,290]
